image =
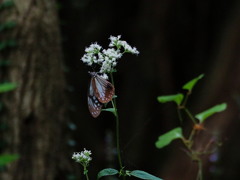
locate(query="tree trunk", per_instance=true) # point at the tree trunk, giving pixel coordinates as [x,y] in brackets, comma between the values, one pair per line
[34,111]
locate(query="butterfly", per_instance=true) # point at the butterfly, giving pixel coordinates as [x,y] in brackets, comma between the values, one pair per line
[100,92]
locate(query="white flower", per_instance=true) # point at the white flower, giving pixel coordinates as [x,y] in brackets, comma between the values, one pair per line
[112,53]
[104,76]
[82,157]
[115,41]
[107,58]
[93,48]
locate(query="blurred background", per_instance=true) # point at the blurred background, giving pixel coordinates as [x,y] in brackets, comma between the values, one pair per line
[46,117]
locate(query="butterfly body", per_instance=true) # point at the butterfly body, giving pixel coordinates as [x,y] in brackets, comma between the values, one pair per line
[100,92]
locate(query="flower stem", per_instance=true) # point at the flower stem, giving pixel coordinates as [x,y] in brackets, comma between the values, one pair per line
[86,172]
[114,104]
[200,175]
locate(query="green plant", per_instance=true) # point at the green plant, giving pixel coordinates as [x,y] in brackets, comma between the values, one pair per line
[5,27]
[106,61]
[6,158]
[6,86]
[198,125]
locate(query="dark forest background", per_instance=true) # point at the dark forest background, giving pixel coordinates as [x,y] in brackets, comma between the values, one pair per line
[47,116]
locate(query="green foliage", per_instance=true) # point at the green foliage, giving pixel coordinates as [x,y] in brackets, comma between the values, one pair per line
[168,137]
[8,158]
[190,84]
[143,175]
[114,96]
[6,4]
[211,111]
[7,25]
[3,126]
[107,172]
[136,173]
[177,98]
[110,110]
[4,62]
[7,43]
[5,87]
[189,141]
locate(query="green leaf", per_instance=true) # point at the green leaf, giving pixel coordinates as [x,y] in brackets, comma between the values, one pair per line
[215,109]
[107,172]
[8,158]
[3,126]
[11,43]
[5,87]
[176,98]
[143,175]
[7,25]
[3,45]
[1,107]
[8,43]
[6,4]
[4,62]
[168,137]
[190,84]
[110,110]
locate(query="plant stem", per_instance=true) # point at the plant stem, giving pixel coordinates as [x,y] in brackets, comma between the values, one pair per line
[192,135]
[86,172]
[179,115]
[114,104]
[190,115]
[200,174]
[186,98]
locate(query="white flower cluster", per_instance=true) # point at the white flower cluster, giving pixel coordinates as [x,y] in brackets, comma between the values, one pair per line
[82,157]
[107,58]
[115,41]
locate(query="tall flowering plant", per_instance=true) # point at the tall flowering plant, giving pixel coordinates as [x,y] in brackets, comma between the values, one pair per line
[102,91]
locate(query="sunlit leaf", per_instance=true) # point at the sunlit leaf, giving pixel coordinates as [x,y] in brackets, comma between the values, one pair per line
[107,172]
[5,87]
[190,84]
[8,158]
[143,175]
[168,137]
[177,98]
[215,109]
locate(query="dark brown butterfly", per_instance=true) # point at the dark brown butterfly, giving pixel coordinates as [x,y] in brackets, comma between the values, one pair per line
[100,92]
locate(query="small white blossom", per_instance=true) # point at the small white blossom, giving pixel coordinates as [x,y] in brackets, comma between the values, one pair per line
[104,76]
[107,58]
[114,41]
[128,48]
[112,53]
[106,67]
[82,157]
[93,48]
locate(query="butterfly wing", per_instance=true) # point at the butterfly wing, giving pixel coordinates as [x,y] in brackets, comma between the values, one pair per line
[94,105]
[103,89]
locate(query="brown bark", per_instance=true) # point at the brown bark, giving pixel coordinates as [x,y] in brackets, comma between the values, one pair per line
[35,110]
